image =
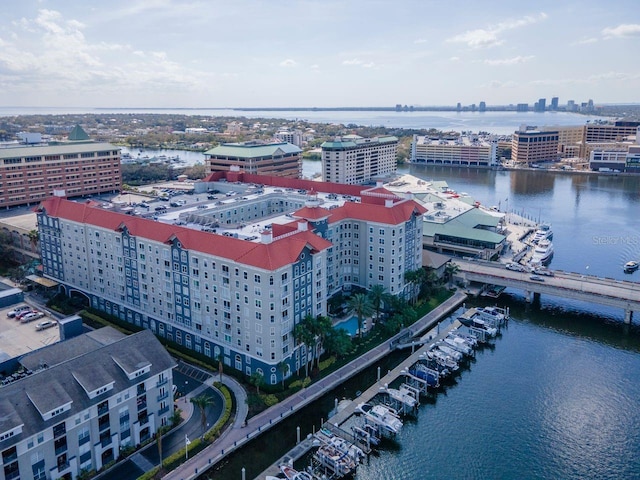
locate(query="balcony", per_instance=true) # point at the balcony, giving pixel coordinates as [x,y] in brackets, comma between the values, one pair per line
[161,382]
[164,410]
[162,396]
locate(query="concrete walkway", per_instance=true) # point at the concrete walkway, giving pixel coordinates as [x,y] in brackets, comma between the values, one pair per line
[236,436]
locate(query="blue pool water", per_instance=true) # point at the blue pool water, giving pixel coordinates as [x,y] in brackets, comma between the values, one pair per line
[350,325]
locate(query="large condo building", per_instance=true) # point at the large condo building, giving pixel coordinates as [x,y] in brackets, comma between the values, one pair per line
[532,146]
[467,151]
[279,251]
[354,160]
[279,159]
[29,174]
[84,400]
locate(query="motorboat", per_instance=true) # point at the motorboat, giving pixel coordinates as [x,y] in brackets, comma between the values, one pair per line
[456,355]
[458,344]
[631,266]
[385,418]
[542,253]
[443,359]
[421,371]
[474,321]
[327,437]
[402,395]
[335,460]
[291,473]
[471,340]
[494,316]
[543,232]
[436,364]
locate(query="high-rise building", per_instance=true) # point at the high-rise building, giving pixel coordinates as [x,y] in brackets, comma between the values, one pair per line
[86,399]
[522,107]
[482,107]
[29,174]
[554,104]
[276,257]
[540,105]
[277,159]
[533,146]
[352,159]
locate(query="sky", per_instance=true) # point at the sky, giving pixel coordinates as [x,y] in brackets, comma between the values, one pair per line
[308,53]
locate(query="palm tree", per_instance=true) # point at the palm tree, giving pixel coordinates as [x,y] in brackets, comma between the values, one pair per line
[415,278]
[323,328]
[220,359]
[361,306]
[283,367]
[33,236]
[450,269]
[256,380]
[377,295]
[303,332]
[202,402]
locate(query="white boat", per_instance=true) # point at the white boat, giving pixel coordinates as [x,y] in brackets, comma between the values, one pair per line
[631,266]
[327,437]
[543,232]
[332,458]
[291,473]
[471,340]
[402,395]
[493,316]
[457,356]
[542,253]
[386,418]
[444,359]
[458,344]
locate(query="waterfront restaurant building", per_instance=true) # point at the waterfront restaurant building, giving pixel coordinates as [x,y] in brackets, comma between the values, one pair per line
[355,160]
[84,401]
[278,253]
[28,174]
[278,159]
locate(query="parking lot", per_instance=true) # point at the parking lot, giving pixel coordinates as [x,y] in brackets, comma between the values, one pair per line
[17,338]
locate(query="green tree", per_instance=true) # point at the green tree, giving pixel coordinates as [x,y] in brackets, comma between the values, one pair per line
[220,359]
[322,329]
[33,236]
[304,332]
[377,295]
[361,306]
[415,278]
[256,380]
[202,402]
[337,342]
[450,269]
[283,368]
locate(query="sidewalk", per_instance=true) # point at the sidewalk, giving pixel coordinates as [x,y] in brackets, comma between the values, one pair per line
[236,436]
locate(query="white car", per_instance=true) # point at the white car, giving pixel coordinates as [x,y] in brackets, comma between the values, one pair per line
[17,310]
[46,324]
[29,317]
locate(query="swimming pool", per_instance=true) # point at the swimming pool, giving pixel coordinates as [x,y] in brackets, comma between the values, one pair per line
[351,325]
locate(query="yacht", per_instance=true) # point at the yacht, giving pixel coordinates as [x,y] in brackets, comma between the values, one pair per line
[291,473]
[542,253]
[458,344]
[402,395]
[384,417]
[631,266]
[443,359]
[543,233]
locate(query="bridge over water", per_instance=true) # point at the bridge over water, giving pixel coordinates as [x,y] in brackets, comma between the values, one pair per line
[588,288]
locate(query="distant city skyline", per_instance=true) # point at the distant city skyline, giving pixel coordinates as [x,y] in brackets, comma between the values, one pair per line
[170,53]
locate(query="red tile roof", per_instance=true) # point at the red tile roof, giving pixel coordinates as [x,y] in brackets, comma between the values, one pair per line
[312,213]
[399,212]
[270,256]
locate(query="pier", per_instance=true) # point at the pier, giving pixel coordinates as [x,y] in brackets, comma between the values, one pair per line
[587,288]
[235,437]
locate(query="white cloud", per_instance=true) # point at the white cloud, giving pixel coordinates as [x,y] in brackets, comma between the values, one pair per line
[353,61]
[501,84]
[585,41]
[288,63]
[454,59]
[420,40]
[509,61]
[489,37]
[623,30]
[315,66]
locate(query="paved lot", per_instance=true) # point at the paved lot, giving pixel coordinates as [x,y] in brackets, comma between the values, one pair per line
[17,338]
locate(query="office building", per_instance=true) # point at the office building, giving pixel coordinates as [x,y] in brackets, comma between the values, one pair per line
[554,104]
[279,159]
[354,160]
[540,105]
[84,401]
[281,248]
[466,151]
[29,174]
[533,146]
[618,131]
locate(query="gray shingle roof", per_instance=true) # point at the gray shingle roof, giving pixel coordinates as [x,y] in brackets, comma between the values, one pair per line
[51,387]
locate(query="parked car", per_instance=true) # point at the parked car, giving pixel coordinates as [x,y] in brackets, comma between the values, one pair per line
[30,317]
[46,324]
[23,313]
[516,267]
[160,208]
[17,310]
[536,278]
[543,271]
